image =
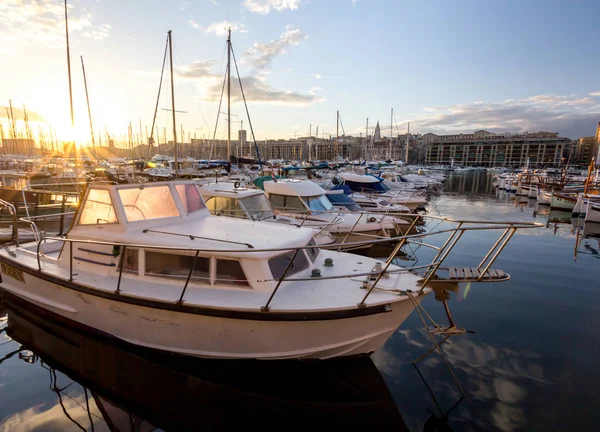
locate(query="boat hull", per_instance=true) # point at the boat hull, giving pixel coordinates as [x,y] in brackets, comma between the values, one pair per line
[559,202]
[210,336]
[592,213]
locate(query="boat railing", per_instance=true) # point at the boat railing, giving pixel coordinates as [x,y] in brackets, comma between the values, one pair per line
[483,271]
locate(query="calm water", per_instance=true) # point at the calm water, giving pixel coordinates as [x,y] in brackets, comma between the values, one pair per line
[531,362]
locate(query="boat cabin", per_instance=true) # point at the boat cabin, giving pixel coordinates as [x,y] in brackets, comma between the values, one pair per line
[364,183]
[165,230]
[299,196]
[225,199]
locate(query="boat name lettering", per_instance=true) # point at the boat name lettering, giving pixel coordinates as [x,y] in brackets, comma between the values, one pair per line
[13,272]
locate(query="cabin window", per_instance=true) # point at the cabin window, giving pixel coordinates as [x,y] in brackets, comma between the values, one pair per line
[177,266]
[148,202]
[190,197]
[258,207]
[98,208]
[225,207]
[284,202]
[279,263]
[319,203]
[131,260]
[230,272]
[312,252]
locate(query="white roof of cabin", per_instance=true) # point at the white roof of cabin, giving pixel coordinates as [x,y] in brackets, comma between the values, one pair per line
[359,178]
[227,190]
[291,187]
[198,230]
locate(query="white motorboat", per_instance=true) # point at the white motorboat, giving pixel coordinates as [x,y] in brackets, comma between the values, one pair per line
[148,264]
[308,202]
[231,199]
[359,202]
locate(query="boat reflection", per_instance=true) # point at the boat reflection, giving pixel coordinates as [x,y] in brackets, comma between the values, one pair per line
[137,389]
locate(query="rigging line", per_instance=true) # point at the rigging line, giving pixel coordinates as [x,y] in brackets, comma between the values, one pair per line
[57,391]
[342,125]
[87,404]
[212,145]
[247,112]
[159,88]
[82,407]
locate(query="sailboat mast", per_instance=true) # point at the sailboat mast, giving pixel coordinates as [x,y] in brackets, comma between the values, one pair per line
[173,103]
[367,140]
[69,64]
[407,141]
[391,130]
[229,95]
[87,99]
[71,89]
[337,133]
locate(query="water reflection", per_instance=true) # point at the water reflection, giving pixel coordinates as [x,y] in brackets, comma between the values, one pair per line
[93,384]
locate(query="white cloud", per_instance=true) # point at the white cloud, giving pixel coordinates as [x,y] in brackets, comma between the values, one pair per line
[319,76]
[596,93]
[256,89]
[570,115]
[42,23]
[262,54]
[220,28]
[184,5]
[264,7]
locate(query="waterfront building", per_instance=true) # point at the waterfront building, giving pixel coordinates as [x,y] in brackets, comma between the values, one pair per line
[585,149]
[483,148]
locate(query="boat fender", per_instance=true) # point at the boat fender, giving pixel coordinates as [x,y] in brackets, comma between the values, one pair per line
[236,185]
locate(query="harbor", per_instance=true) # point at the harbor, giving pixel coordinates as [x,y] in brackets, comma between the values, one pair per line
[504,355]
[200,229]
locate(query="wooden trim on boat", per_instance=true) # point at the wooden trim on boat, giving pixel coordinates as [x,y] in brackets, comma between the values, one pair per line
[257,315]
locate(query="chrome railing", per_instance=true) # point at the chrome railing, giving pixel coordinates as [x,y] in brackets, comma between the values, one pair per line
[372,277]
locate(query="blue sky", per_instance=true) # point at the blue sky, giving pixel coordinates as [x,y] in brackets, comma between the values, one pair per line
[442,65]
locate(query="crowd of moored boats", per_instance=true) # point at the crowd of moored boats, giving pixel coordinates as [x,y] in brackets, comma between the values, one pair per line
[261,265]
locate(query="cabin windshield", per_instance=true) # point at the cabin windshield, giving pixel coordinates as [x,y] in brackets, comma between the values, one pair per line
[318,204]
[258,207]
[98,208]
[190,197]
[148,202]
[222,206]
[343,200]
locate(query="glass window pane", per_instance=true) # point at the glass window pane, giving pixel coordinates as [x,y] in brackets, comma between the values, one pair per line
[230,272]
[258,207]
[221,206]
[190,197]
[98,208]
[148,202]
[294,203]
[279,263]
[312,252]
[278,201]
[130,261]
[177,266]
